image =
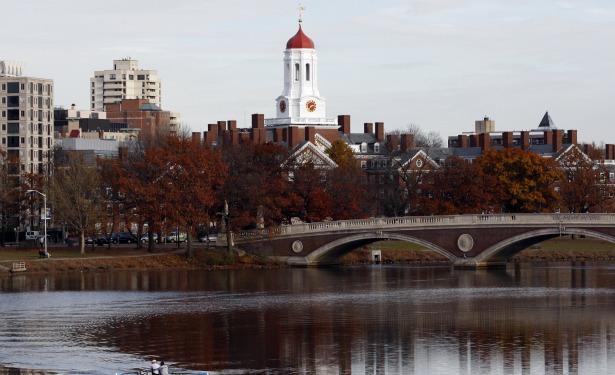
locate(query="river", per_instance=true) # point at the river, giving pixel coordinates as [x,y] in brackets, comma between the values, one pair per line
[529,318]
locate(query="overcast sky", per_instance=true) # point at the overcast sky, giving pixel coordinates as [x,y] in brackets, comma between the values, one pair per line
[439,64]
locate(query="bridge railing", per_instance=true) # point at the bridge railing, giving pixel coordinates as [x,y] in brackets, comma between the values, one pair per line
[427,221]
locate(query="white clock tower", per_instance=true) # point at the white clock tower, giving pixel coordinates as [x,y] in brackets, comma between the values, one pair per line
[300,102]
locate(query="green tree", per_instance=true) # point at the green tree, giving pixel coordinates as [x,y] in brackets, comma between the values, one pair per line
[523,179]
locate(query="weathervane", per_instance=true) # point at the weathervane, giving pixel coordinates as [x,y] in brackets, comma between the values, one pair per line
[301,10]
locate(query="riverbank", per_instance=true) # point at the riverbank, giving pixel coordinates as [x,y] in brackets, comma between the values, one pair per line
[103,259]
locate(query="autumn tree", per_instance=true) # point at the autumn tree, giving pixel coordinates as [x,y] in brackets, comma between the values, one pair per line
[347,186]
[456,188]
[585,185]
[523,179]
[9,195]
[256,189]
[310,200]
[175,180]
[77,196]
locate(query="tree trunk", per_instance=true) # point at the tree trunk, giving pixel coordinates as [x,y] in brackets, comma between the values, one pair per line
[81,242]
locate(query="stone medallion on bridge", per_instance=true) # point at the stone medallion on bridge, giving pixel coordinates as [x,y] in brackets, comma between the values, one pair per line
[297,246]
[465,242]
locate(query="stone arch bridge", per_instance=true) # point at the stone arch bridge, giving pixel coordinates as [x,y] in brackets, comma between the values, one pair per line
[466,240]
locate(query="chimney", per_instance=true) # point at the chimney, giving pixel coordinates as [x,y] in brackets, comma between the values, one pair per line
[572,137]
[380,131]
[344,122]
[258,121]
[232,124]
[393,142]
[558,137]
[507,139]
[407,142]
[196,137]
[277,135]
[310,134]
[474,140]
[525,140]
[462,140]
[221,127]
[548,137]
[259,135]
[294,137]
[368,128]
[610,152]
[484,141]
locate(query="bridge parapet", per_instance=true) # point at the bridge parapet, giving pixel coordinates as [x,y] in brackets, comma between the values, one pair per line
[426,221]
[466,240]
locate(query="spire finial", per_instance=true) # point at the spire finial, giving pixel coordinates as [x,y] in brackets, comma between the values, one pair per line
[301,10]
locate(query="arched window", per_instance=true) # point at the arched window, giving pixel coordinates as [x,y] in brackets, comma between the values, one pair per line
[307,72]
[296,72]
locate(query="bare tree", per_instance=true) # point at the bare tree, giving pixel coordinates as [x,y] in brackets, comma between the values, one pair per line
[77,196]
[422,139]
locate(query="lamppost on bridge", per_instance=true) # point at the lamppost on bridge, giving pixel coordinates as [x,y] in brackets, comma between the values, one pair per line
[45,217]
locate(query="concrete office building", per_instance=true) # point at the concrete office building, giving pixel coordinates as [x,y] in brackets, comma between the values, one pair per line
[26,119]
[124,81]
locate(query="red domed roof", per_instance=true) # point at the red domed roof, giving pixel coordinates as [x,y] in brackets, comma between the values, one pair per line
[300,40]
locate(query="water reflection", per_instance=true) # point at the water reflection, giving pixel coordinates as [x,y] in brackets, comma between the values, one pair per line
[551,318]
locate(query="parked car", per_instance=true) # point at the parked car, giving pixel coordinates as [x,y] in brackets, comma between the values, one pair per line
[123,237]
[145,238]
[32,235]
[102,240]
[209,238]
[174,237]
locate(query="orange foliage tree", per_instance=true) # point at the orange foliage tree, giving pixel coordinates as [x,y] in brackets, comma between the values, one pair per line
[523,180]
[174,181]
[458,187]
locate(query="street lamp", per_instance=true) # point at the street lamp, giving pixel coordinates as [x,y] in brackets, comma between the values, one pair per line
[45,205]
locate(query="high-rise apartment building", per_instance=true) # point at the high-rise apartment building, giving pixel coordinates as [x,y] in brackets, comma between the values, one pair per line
[26,119]
[124,81]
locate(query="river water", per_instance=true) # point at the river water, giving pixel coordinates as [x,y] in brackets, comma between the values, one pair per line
[550,318]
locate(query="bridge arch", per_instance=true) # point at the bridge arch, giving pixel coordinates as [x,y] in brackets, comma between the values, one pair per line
[329,253]
[504,250]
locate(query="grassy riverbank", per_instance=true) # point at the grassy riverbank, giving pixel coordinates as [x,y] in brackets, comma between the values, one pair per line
[102,259]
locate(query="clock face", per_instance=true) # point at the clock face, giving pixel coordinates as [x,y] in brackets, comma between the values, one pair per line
[282,106]
[310,105]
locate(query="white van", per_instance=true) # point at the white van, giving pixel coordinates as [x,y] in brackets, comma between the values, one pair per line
[32,235]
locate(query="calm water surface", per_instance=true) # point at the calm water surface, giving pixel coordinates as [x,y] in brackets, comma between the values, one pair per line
[525,319]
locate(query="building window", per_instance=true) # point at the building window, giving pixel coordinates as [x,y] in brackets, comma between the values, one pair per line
[363,164]
[13,87]
[112,76]
[419,163]
[296,72]
[307,72]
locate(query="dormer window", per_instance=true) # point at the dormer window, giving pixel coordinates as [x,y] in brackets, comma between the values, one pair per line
[363,147]
[377,148]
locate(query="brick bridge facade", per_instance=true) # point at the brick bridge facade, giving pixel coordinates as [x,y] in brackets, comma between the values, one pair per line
[466,240]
